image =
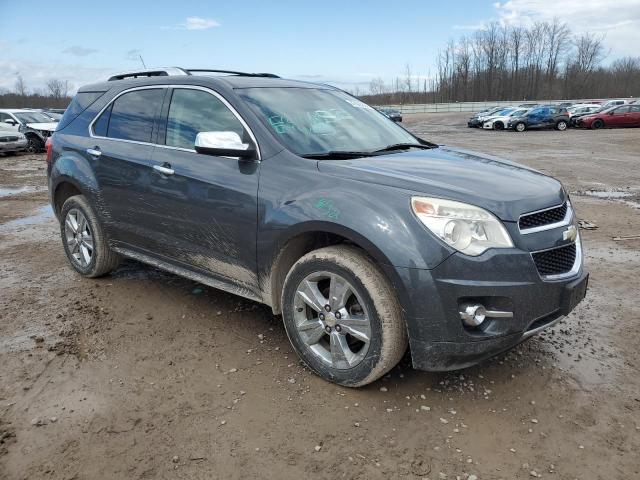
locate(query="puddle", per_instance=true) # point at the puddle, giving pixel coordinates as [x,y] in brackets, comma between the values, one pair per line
[620,195]
[13,191]
[40,215]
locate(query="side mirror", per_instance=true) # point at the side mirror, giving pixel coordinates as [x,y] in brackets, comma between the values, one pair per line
[224,144]
[11,121]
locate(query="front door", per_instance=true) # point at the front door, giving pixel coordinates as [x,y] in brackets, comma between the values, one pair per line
[206,206]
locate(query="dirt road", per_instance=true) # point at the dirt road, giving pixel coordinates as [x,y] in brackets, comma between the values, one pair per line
[145,375]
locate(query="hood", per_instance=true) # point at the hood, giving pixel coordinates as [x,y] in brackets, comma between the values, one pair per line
[50,127]
[504,188]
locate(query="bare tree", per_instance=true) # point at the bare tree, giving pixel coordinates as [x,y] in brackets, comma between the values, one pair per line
[58,88]
[21,86]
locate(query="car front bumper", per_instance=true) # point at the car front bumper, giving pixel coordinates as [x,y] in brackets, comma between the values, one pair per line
[15,146]
[500,280]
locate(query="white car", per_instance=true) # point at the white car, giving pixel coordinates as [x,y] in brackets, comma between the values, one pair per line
[500,119]
[36,126]
[11,141]
[582,108]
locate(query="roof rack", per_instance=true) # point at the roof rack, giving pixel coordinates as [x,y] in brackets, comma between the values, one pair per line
[165,72]
[230,72]
[156,72]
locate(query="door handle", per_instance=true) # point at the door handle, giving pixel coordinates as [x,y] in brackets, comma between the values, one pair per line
[94,152]
[163,170]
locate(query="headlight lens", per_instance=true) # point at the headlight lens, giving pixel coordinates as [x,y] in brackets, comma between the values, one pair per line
[467,228]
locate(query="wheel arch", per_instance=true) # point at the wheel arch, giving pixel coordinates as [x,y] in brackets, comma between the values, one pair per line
[304,239]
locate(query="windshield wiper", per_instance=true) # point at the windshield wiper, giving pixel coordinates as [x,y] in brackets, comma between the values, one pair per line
[336,154]
[402,146]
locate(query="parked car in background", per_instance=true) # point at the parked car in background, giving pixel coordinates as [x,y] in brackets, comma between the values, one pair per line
[11,141]
[477,120]
[565,104]
[391,113]
[582,108]
[528,105]
[36,126]
[619,116]
[367,239]
[542,116]
[613,103]
[501,119]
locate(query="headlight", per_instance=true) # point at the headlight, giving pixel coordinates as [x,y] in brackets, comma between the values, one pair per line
[467,228]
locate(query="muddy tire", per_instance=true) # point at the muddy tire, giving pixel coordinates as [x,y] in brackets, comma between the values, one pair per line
[342,316]
[34,144]
[597,124]
[83,239]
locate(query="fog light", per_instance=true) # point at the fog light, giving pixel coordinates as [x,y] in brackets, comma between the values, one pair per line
[473,314]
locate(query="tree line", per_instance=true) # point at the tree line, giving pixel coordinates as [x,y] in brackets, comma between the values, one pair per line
[543,61]
[55,95]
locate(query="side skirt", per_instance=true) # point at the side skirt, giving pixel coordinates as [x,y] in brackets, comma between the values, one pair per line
[186,273]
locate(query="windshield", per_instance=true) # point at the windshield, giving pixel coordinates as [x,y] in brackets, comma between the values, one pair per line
[316,121]
[32,117]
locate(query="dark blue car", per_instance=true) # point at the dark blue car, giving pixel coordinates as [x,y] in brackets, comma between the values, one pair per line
[366,239]
[542,116]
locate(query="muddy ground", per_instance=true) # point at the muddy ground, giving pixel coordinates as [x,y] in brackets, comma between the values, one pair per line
[144,375]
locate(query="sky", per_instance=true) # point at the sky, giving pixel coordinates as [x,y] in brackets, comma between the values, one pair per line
[344,42]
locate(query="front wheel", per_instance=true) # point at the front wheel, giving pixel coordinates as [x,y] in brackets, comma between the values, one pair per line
[520,127]
[342,316]
[498,126]
[561,125]
[597,124]
[34,144]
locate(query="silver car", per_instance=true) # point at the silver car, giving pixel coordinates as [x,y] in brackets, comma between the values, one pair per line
[12,141]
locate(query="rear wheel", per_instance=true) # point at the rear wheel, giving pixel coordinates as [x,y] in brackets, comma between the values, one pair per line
[561,125]
[84,241]
[342,316]
[498,126]
[520,127]
[597,124]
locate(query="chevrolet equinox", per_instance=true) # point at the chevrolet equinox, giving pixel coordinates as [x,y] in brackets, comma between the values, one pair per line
[367,239]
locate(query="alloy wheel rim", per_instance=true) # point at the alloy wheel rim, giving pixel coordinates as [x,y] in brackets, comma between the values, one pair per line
[78,237]
[562,125]
[331,320]
[520,127]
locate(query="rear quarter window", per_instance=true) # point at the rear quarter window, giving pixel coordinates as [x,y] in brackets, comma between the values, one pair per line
[79,104]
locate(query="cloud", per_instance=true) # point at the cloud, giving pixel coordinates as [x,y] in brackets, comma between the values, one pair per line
[79,51]
[198,23]
[618,22]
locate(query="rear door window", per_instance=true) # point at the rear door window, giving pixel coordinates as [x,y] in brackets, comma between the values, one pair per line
[194,111]
[79,104]
[133,115]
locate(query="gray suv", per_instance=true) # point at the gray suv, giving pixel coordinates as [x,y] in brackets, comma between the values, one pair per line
[366,239]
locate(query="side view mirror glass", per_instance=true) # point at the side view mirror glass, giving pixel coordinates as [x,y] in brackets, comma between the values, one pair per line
[224,144]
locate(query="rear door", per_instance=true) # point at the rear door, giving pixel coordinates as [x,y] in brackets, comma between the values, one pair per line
[120,147]
[634,112]
[206,208]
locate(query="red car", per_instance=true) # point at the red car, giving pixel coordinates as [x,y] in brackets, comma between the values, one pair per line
[618,116]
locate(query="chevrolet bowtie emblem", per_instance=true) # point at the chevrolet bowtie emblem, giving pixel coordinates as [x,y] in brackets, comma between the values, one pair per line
[570,233]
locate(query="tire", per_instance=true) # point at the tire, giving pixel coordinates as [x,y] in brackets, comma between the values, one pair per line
[34,144]
[520,127]
[371,310]
[597,124]
[498,126]
[561,125]
[89,262]
[10,154]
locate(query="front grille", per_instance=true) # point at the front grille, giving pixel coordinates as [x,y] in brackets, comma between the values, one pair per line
[8,139]
[556,261]
[545,217]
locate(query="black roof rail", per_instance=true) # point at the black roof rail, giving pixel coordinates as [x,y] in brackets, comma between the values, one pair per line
[157,72]
[230,72]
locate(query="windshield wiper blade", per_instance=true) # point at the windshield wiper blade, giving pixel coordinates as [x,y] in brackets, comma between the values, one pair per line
[402,146]
[336,154]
